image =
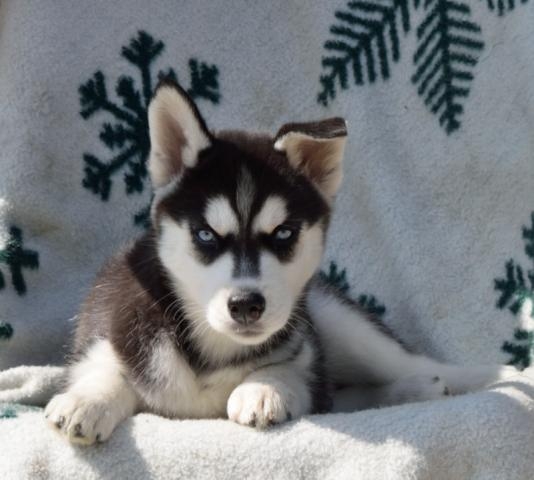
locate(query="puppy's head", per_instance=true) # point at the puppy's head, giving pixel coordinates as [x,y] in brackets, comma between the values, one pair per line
[240,218]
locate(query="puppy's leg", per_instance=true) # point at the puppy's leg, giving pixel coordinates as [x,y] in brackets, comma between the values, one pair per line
[416,388]
[275,393]
[359,351]
[97,399]
[269,396]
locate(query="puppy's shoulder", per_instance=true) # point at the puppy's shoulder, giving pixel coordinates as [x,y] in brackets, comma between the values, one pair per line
[126,290]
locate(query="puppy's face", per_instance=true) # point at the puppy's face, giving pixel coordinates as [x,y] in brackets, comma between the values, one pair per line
[241,219]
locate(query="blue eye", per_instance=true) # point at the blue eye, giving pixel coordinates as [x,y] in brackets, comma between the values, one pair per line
[205,236]
[283,234]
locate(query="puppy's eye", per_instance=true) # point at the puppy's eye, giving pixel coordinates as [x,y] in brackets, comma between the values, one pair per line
[283,233]
[205,236]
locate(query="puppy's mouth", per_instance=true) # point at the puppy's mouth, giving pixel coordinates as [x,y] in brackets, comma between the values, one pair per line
[248,334]
[247,331]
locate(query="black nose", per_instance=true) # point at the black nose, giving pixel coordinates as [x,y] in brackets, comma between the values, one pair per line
[246,307]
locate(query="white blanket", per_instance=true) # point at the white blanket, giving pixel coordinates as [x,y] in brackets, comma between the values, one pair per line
[434,226]
[483,436]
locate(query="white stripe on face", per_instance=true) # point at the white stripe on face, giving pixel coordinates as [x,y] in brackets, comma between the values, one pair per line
[272,213]
[221,217]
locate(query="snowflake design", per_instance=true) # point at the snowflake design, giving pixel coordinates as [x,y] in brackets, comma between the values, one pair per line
[338,279]
[6,331]
[127,135]
[502,6]
[366,42]
[517,295]
[12,410]
[16,258]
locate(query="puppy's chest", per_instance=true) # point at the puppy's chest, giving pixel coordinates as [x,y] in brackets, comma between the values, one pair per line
[177,390]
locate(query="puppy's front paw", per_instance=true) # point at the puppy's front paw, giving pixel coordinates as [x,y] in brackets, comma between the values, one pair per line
[258,405]
[81,420]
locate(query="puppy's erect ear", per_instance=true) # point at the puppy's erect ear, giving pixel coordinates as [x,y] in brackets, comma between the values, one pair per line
[315,149]
[177,133]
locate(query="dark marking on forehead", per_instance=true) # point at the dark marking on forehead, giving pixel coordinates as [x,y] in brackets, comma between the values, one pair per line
[246,170]
[246,262]
[244,195]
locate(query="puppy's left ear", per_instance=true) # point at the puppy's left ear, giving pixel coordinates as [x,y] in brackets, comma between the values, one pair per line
[315,149]
[177,133]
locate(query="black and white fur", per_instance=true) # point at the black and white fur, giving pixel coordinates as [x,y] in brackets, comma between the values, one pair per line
[216,311]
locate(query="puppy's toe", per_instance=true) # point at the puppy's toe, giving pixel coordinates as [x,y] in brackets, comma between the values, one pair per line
[417,388]
[81,420]
[257,405]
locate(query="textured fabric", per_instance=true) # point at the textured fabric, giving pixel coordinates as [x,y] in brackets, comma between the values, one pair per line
[434,225]
[483,436]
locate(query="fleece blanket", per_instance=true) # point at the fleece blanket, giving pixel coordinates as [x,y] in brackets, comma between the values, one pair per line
[482,436]
[433,230]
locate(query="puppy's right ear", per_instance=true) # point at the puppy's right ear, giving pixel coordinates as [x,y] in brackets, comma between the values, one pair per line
[177,133]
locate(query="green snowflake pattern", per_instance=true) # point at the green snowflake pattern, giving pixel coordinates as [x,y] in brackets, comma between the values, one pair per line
[12,410]
[366,42]
[16,258]
[127,136]
[338,279]
[503,6]
[516,288]
[6,331]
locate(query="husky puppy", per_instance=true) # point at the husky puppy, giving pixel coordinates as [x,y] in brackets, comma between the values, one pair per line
[216,312]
